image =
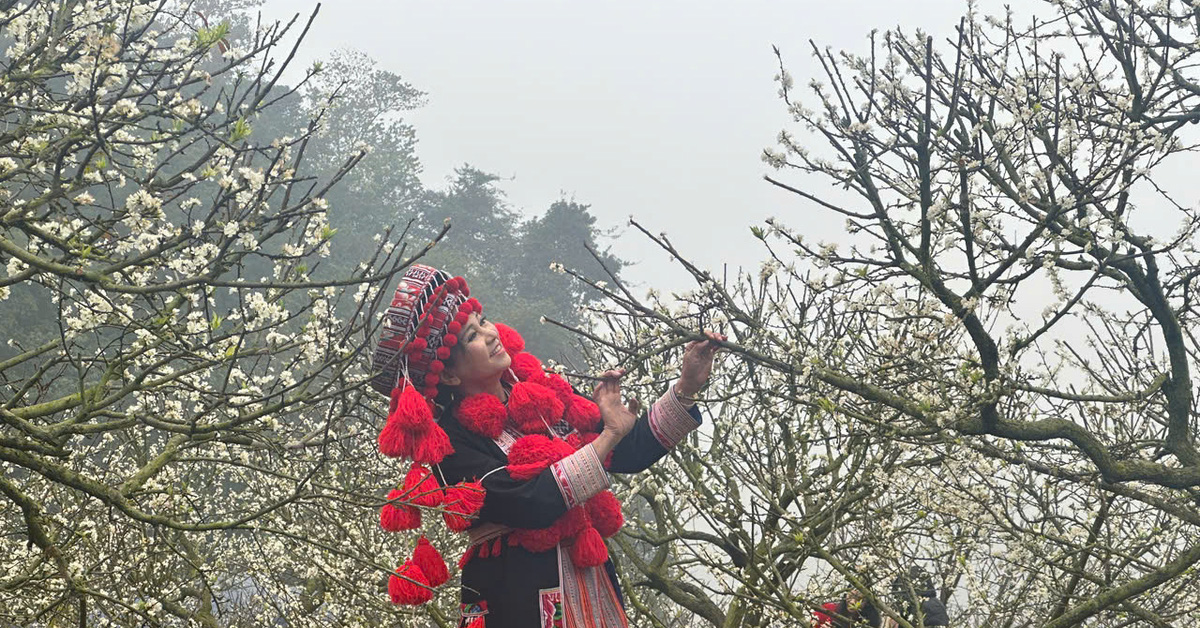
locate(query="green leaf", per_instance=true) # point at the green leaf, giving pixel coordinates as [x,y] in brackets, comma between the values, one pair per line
[208,37]
[241,130]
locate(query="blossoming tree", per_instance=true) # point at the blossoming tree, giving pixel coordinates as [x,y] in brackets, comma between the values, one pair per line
[184,437]
[988,376]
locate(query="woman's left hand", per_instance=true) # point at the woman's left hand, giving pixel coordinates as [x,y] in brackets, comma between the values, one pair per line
[697,364]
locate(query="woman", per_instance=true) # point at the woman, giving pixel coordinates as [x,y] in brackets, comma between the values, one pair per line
[534,451]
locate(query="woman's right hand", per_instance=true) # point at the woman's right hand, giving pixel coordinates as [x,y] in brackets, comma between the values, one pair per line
[618,419]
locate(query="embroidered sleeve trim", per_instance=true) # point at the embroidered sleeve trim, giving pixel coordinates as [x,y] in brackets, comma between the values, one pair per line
[579,476]
[670,420]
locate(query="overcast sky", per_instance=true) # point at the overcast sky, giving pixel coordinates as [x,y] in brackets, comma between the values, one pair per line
[657,110]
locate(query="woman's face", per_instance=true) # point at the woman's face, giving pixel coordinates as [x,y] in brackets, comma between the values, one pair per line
[478,357]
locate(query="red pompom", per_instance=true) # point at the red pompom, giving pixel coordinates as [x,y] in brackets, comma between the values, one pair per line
[474,304]
[462,317]
[462,501]
[531,454]
[588,550]
[409,586]
[539,540]
[534,408]
[443,353]
[397,517]
[433,446]
[423,331]
[430,562]
[583,414]
[512,341]
[450,340]
[483,414]
[432,379]
[421,488]
[453,327]
[411,411]
[430,392]
[560,386]
[437,366]
[604,511]
[572,523]
[417,345]
[527,366]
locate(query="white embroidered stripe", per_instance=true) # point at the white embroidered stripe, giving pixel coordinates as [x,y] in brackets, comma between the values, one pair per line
[579,476]
[670,421]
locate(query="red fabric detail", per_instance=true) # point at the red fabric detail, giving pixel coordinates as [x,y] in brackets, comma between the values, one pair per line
[433,446]
[409,586]
[430,562]
[604,511]
[421,488]
[583,414]
[477,623]
[533,407]
[588,550]
[579,440]
[824,620]
[526,366]
[512,341]
[483,414]
[397,517]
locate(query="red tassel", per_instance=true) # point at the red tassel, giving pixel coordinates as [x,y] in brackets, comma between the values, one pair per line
[497,546]
[412,411]
[476,623]
[420,487]
[583,414]
[526,366]
[409,586]
[534,407]
[394,441]
[512,341]
[397,517]
[485,550]
[433,446]
[466,557]
[588,549]
[604,511]
[483,414]
[463,500]
[427,558]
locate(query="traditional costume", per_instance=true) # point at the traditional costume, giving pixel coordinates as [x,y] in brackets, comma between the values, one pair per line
[519,477]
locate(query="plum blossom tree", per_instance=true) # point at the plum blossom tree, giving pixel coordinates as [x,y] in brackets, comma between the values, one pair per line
[184,434]
[988,376]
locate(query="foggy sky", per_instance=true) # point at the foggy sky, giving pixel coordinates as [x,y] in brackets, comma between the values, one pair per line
[658,110]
